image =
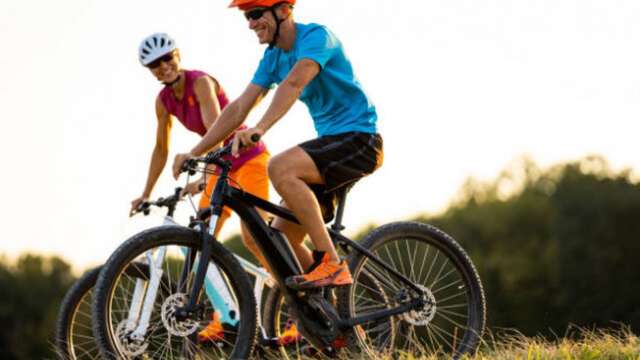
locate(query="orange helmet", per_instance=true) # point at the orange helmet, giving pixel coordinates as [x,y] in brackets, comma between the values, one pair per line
[248,4]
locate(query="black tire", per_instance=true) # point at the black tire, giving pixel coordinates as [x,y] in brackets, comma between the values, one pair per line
[236,343]
[455,325]
[275,316]
[74,339]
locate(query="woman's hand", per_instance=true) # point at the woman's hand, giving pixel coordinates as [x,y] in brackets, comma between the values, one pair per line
[178,162]
[193,188]
[135,203]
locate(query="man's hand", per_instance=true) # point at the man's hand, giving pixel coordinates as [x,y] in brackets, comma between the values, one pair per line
[243,139]
[178,162]
[135,203]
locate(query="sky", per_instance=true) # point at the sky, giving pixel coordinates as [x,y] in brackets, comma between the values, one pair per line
[462,88]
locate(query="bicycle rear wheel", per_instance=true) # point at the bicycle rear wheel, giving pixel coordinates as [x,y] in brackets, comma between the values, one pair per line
[452,321]
[125,328]
[74,339]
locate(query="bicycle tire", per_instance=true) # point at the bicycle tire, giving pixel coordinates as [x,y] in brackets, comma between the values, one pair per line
[273,322]
[73,323]
[78,296]
[421,332]
[243,341]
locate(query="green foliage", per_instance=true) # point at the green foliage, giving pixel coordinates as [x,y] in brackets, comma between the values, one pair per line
[32,290]
[235,245]
[553,247]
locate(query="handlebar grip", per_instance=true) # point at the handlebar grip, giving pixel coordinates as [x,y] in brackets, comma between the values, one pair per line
[188,166]
[255,138]
[143,207]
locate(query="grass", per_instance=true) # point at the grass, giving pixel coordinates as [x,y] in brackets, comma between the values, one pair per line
[579,344]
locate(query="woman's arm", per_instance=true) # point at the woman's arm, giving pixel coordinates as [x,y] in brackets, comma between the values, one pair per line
[205,89]
[159,155]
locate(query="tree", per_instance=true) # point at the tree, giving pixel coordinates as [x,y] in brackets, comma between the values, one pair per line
[553,247]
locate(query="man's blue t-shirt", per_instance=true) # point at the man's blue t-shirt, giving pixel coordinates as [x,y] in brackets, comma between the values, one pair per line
[335,98]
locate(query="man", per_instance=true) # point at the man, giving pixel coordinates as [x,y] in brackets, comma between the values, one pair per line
[309,63]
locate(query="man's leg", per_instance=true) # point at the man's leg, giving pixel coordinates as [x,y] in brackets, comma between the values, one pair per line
[295,234]
[290,172]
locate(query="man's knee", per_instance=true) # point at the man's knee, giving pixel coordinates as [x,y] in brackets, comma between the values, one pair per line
[280,171]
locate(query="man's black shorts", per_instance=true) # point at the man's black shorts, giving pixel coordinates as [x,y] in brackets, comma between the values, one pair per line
[342,160]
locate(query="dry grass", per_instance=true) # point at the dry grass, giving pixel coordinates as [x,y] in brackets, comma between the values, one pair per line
[580,344]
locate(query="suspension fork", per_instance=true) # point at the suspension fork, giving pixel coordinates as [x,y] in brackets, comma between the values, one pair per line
[144,293]
[155,276]
[206,237]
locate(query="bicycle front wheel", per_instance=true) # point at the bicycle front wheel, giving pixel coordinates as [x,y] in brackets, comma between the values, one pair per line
[142,318]
[451,322]
[74,337]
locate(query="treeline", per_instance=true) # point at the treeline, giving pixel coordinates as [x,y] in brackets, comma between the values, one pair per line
[553,247]
[31,290]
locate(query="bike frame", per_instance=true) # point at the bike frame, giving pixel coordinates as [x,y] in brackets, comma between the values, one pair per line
[278,252]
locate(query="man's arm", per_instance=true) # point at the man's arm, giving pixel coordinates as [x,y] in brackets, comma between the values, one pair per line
[303,72]
[232,116]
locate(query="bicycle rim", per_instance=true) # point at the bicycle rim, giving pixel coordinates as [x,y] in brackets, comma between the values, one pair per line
[452,322]
[80,343]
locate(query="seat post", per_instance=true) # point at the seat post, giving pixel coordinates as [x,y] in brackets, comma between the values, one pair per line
[342,199]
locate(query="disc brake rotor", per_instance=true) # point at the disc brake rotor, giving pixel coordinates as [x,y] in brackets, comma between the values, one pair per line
[130,348]
[423,316]
[173,326]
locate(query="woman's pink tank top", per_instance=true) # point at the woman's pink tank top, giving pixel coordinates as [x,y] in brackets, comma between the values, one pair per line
[187,110]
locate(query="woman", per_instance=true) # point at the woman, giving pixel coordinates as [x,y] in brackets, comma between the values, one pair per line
[196,99]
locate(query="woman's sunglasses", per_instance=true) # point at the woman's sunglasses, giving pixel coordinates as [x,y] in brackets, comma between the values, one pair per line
[255,14]
[156,63]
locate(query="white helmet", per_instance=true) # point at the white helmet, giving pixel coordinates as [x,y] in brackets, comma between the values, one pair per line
[155,46]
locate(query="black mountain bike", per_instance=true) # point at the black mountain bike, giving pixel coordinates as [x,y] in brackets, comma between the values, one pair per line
[415,289]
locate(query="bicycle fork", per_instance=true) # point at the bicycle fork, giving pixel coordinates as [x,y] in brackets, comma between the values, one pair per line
[146,291]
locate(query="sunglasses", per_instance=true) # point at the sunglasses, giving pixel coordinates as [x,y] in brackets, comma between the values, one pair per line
[156,63]
[255,14]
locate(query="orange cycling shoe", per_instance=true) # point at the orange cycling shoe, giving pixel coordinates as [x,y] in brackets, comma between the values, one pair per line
[214,332]
[290,334]
[325,274]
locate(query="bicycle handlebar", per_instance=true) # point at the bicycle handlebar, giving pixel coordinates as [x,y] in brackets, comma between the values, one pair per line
[213,157]
[168,202]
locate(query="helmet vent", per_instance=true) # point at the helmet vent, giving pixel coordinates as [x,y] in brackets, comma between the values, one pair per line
[155,46]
